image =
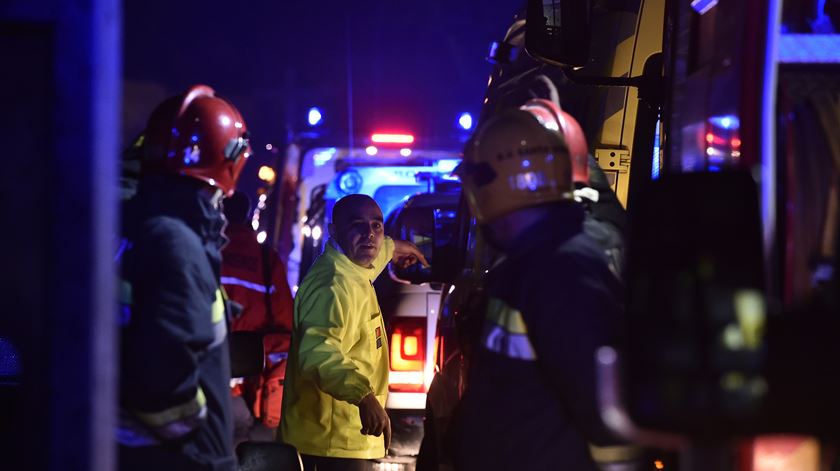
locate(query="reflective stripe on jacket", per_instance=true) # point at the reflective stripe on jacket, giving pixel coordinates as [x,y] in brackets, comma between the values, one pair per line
[339,355]
[244,273]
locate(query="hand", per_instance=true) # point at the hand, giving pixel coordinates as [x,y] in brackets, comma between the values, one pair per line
[375,420]
[407,254]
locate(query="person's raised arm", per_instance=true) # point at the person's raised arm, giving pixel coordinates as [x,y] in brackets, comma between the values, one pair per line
[407,254]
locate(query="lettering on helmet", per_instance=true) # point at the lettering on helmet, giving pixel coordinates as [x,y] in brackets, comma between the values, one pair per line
[506,155]
[529,181]
[533,150]
[541,150]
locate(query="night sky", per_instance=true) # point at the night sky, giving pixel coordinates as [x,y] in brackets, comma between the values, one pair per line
[413,66]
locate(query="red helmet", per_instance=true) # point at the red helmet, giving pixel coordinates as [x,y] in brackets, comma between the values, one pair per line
[198,135]
[550,115]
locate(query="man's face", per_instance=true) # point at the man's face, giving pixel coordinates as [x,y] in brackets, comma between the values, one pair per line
[360,233]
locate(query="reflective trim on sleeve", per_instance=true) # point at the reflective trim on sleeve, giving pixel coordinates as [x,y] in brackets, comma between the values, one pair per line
[218,308]
[229,280]
[191,409]
[132,433]
[614,453]
[505,332]
[505,316]
[219,334]
[179,428]
[516,346]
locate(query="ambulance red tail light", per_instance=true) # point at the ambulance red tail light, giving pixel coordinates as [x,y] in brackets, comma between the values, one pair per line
[391,138]
[408,355]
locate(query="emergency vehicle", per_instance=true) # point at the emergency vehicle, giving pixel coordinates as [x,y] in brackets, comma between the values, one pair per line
[418,195]
[387,174]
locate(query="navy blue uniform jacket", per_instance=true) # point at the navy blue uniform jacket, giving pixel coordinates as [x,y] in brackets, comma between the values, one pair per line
[531,402]
[175,371]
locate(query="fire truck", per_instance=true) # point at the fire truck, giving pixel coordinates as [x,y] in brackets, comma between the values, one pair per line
[716,123]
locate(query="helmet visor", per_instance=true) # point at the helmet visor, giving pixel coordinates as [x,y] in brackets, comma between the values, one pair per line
[481,173]
[237,146]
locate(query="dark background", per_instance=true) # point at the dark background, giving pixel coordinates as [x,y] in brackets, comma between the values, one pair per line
[411,66]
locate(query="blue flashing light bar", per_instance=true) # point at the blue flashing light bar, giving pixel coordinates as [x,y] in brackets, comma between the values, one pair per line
[809,49]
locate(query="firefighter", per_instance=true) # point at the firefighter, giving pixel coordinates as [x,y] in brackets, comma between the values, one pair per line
[174,397]
[255,278]
[552,302]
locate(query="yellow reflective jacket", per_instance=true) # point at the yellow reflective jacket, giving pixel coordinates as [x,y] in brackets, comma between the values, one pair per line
[339,355]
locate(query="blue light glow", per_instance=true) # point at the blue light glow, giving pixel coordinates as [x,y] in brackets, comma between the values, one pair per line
[465,120]
[654,171]
[494,48]
[323,156]
[10,365]
[447,165]
[768,123]
[702,6]
[350,182]
[822,23]
[314,116]
[726,121]
[194,138]
[809,49]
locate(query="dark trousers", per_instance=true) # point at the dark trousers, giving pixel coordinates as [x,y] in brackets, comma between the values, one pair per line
[321,463]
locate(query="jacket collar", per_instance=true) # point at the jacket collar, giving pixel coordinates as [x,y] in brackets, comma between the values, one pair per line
[344,264]
[184,199]
[563,222]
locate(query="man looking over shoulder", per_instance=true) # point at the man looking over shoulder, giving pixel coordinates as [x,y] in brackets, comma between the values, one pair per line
[337,378]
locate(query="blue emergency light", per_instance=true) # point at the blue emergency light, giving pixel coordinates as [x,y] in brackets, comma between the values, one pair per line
[465,120]
[314,116]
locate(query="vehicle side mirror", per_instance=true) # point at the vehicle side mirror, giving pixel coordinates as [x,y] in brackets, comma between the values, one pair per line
[696,311]
[433,230]
[706,354]
[558,31]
